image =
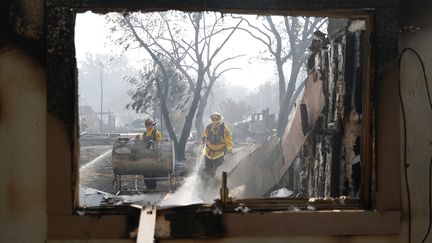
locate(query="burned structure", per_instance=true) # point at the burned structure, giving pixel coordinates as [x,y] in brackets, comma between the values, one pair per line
[330,115]
[328,165]
[37,76]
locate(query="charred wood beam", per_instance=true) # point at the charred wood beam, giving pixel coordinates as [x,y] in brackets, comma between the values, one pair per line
[209,5]
[304,119]
[335,188]
[62,92]
[255,224]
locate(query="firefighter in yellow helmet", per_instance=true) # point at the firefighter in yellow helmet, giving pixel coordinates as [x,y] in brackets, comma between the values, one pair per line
[151,132]
[150,137]
[218,142]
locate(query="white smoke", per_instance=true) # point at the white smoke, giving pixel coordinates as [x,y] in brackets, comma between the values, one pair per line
[194,189]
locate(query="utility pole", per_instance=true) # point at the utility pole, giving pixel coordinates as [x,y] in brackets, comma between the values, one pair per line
[101,96]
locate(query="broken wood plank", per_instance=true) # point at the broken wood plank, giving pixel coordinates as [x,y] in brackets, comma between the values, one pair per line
[293,138]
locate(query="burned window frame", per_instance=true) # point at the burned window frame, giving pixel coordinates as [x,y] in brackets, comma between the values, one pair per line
[62,109]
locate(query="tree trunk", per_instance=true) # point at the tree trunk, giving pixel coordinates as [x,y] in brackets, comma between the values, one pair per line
[180,153]
[292,82]
[296,94]
[278,57]
[283,109]
[281,77]
[199,125]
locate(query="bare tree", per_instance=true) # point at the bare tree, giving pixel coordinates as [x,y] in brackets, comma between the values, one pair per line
[300,32]
[200,49]
[161,37]
[285,39]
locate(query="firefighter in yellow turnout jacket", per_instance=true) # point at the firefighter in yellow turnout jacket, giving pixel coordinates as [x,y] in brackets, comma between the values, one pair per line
[150,137]
[151,133]
[218,142]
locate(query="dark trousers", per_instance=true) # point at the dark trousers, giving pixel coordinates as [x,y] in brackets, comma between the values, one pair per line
[212,164]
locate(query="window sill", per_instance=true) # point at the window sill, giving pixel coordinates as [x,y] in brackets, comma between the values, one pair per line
[180,223]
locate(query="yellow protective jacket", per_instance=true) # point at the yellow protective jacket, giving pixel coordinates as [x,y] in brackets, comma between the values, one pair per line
[217,141]
[153,134]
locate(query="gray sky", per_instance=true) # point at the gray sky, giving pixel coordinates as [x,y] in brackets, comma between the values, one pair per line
[91,35]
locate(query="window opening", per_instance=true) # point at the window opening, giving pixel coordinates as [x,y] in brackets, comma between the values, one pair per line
[289,92]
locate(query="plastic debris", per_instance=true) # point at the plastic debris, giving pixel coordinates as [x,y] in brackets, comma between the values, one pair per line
[294,208]
[80,212]
[282,192]
[242,209]
[312,199]
[342,200]
[311,208]
[217,211]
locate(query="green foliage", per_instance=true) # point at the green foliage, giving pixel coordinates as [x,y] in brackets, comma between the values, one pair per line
[144,92]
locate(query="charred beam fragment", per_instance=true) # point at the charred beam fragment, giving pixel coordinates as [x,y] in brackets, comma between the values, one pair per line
[304,119]
[61,67]
[208,5]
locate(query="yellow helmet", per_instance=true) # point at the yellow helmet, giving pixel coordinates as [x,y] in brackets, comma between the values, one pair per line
[216,117]
[149,121]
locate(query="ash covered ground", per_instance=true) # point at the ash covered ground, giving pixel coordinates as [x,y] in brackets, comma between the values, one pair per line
[96,172]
